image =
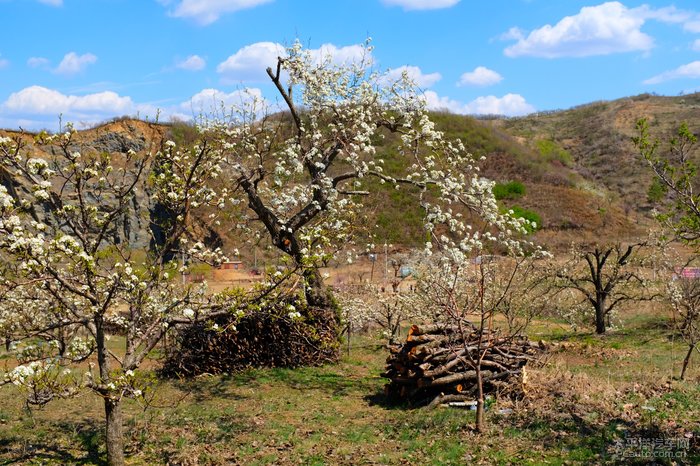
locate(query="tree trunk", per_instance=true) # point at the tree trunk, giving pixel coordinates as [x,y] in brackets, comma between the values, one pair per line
[113,412]
[318,296]
[115,437]
[600,316]
[686,360]
[480,399]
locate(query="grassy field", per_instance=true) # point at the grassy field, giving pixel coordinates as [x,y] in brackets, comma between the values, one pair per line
[590,393]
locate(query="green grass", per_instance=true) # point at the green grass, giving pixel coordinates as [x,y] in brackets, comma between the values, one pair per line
[337,415]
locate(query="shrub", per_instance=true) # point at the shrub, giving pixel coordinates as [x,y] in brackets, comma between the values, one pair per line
[657,191]
[551,151]
[510,190]
[519,212]
[184,133]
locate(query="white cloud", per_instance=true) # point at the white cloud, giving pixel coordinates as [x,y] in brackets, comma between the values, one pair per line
[414,73]
[696,45]
[38,62]
[37,107]
[421,4]
[250,62]
[598,30]
[514,33]
[689,71]
[668,14]
[692,26]
[508,105]
[4,63]
[340,55]
[205,12]
[208,100]
[52,2]
[37,100]
[688,19]
[192,63]
[435,102]
[481,76]
[73,63]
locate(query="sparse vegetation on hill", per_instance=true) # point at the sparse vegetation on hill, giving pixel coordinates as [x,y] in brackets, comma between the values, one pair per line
[597,139]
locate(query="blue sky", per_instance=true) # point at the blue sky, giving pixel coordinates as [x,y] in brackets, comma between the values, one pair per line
[90,60]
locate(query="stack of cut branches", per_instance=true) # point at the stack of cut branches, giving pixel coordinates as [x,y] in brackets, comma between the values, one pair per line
[262,339]
[438,364]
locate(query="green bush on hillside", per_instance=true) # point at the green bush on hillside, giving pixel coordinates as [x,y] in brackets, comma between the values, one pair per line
[519,212]
[510,190]
[657,191]
[551,151]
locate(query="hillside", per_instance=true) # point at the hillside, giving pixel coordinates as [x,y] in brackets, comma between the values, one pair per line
[597,139]
[568,163]
[571,205]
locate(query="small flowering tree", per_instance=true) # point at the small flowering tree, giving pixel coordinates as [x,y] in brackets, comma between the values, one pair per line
[674,165]
[682,293]
[467,295]
[71,278]
[523,285]
[367,308]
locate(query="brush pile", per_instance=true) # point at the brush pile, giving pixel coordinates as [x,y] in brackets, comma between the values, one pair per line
[267,338]
[437,363]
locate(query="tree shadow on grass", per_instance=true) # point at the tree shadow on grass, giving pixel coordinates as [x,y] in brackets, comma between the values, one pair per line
[322,378]
[88,434]
[615,441]
[381,399]
[205,388]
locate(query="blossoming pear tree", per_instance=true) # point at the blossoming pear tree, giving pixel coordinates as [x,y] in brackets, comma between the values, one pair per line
[70,278]
[683,293]
[302,172]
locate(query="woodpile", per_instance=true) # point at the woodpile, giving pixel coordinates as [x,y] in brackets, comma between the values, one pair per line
[437,363]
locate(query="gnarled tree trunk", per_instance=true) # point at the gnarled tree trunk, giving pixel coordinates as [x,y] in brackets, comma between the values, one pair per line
[318,295]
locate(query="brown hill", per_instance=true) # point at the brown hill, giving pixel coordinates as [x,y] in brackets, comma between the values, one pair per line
[552,155]
[597,138]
